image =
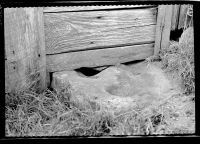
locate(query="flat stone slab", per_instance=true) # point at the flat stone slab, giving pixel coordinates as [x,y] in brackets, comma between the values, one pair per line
[117,88]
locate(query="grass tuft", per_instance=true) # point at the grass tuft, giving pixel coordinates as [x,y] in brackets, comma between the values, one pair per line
[179,58]
[53,114]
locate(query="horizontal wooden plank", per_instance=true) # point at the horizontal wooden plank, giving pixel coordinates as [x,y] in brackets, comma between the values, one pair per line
[87,30]
[100,57]
[87,8]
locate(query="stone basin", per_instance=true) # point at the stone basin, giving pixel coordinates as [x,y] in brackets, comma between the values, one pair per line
[117,88]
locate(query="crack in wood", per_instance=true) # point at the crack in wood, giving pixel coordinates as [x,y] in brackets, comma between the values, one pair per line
[62,9]
[105,47]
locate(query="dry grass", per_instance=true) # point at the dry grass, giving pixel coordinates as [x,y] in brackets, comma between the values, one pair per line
[179,58]
[52,114]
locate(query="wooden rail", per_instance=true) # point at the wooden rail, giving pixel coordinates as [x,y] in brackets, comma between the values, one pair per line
[92,8]
[100,57]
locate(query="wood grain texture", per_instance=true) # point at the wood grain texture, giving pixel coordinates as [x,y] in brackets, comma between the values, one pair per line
[175,16]
[98,29]
[159,26]
[88,8]
[24,48]
[166,27]
[182,17]
[100,57]
[7,82]
[163,28]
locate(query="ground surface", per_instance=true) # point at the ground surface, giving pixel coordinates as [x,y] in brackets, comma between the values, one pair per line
[176,109]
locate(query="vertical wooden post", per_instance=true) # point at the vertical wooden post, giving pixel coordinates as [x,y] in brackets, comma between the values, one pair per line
[175,16]
[163,27]
[25,63]
[182,16]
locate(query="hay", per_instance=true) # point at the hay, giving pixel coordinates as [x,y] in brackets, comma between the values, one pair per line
[51,114]
[179,58]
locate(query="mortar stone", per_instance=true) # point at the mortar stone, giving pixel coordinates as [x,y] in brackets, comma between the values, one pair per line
[116,88]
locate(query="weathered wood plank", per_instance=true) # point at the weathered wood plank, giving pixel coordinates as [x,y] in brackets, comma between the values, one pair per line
[175,16]
[166,27]
[7,81]
[24,48]
[100,57]
[163,28]
[96,29]
[158,36]
[87,8]
[182,17]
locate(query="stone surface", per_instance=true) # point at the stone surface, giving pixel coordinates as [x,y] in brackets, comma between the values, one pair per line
[117,88]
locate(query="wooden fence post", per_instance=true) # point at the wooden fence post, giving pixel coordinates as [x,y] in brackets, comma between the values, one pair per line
[175,17]
[182,16]
[163,27]
[25,59]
